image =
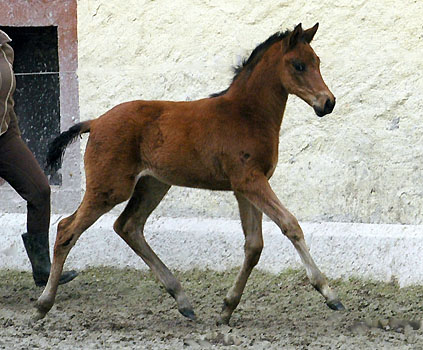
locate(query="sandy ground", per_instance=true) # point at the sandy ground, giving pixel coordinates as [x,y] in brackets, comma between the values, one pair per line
[127,309]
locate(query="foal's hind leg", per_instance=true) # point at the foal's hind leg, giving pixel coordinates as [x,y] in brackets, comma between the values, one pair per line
[251,219]
[259,192]
[130,226]
[68,231]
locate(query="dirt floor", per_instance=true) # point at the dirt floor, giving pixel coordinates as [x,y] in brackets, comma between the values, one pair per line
[127,309]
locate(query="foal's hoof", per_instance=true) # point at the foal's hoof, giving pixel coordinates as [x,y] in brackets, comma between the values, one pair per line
[38,315]
[42,308]
[223,321]
[335,305]
[188,313]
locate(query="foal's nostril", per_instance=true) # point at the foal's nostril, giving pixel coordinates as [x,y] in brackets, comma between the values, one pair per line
[326,108]
[329,105]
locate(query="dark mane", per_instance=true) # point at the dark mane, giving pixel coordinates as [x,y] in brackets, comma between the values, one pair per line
[249,63]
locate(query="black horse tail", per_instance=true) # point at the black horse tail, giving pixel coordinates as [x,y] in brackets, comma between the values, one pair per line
[57,147]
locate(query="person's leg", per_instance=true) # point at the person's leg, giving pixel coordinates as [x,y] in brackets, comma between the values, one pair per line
[20,169]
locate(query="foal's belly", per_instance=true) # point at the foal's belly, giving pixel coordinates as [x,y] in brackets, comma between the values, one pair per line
[186,179]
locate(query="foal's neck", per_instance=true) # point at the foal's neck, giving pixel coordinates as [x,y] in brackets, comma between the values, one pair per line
[260,92]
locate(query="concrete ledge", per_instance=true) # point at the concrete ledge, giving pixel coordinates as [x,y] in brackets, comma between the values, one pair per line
[341,250]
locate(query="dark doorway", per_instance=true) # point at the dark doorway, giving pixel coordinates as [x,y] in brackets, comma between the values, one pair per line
[45,40]
[37,95]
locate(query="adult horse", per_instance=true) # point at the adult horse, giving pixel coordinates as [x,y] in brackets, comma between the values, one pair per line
[228,142]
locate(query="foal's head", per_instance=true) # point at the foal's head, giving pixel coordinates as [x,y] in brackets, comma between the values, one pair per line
[300,72]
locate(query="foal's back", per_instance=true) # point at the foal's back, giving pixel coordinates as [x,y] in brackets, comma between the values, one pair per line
[198,144]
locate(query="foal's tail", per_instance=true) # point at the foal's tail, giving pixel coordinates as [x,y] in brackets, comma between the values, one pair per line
[57,147]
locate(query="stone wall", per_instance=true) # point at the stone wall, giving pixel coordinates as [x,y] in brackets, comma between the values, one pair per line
[362,163]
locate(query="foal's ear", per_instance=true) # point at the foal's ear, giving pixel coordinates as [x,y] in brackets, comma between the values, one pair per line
[309,33]
[295,36]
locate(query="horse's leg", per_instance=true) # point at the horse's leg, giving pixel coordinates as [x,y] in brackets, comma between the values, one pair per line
[130,226]
[68,231]
[259,192]
[251,219]
[98,199]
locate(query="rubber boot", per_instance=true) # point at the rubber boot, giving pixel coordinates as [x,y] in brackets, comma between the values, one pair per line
[36,246]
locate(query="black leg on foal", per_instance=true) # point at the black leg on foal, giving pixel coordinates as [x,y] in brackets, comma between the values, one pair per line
[130,227]
[251,220]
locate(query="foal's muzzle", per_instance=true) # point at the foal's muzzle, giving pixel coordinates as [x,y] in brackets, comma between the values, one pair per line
[326,109]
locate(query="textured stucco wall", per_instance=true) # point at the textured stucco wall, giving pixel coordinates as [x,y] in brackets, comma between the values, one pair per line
[379,252]
[363,163]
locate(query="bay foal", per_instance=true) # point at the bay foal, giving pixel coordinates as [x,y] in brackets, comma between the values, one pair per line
[228,142]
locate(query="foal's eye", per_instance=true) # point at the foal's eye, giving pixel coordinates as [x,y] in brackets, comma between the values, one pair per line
[299,66]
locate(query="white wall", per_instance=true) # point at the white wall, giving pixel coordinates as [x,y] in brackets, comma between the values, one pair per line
[360,164]
[380,252]
[363,163]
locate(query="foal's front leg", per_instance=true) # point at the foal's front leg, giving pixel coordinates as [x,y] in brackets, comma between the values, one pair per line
[258,191]
[251,219]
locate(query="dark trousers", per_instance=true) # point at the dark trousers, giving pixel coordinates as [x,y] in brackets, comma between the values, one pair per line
[21,170]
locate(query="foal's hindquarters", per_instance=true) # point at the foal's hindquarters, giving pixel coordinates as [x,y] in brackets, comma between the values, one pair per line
[112,167]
